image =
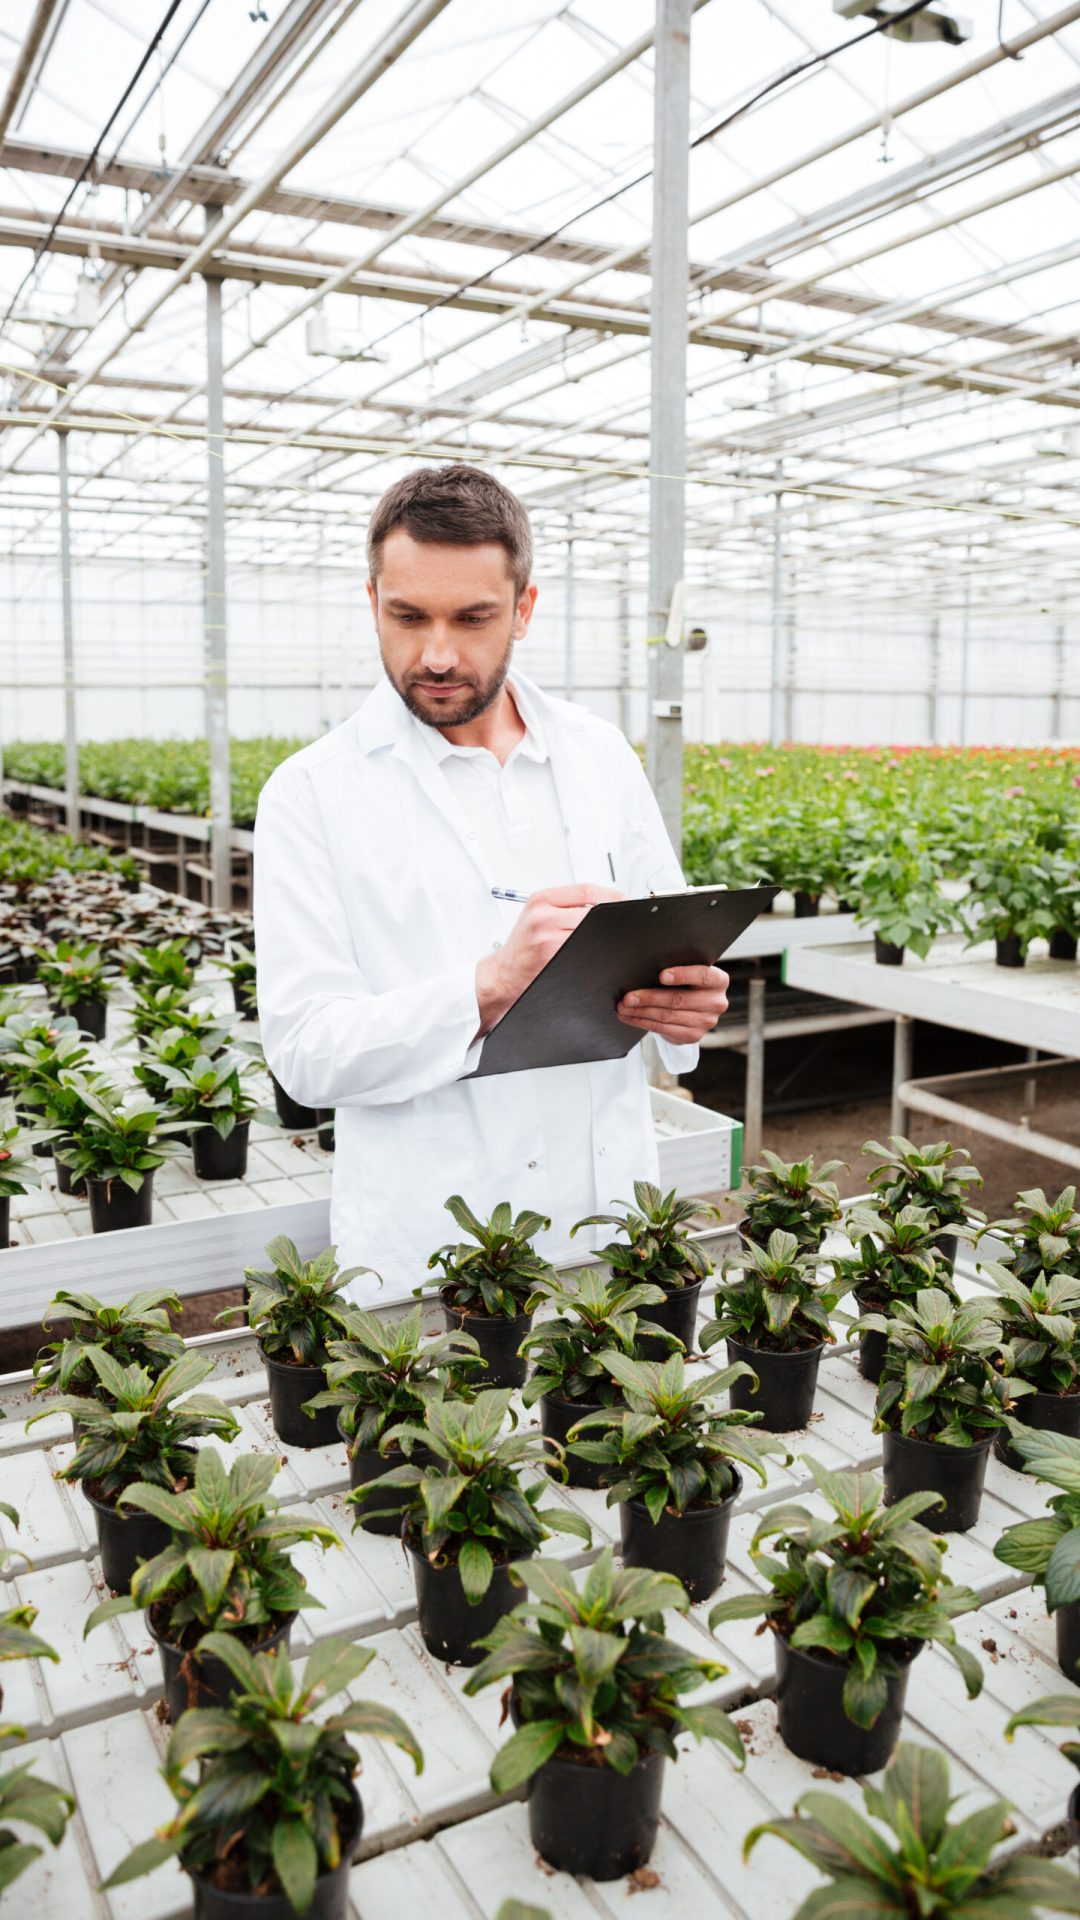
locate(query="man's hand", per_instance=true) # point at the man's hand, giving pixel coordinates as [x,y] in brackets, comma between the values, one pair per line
[548,918]
[688,1001]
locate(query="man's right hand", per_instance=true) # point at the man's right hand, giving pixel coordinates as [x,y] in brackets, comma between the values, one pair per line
[547,919]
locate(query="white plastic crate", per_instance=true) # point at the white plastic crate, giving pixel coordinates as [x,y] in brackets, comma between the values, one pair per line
[700,1151]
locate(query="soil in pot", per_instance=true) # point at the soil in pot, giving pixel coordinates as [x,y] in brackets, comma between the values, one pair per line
[290,1387]
[225,1897]
[199,1680]
[1050,1412]
[811,1717]
[1062,944]
[1067,1630]
[67,1182]
[125,1536]
[497,1337]
[677,1314]
[556,1419]
[218,1159]
[692,1545]
[90,1014]
[292,1115]
[366,1464]
[588,1819]
[114,1206]
[807,905]
[786,1385]
[448,1624]
[1009,952]
[910,1465]
[886,953]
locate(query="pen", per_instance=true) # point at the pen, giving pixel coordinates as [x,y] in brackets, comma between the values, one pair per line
[507,893]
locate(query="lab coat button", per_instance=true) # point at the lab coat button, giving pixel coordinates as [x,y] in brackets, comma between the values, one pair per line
[495,945]
[532,1163]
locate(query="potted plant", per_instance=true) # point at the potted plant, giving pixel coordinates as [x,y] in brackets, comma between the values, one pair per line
[1049,1548]
[941,1400]
[79,981]
[58,1102]
[382,1376]
[936,1177]
[268,1826]
[145,1432]
[1039,1322]
[895,888]
[225,1569]
[25,1800]
[658,1250]
[1055,1710]
[166,964]
[793,1197]
[294,1308]
[34,1049]
[137,1334]
[123,1139]
[296,1118]
[157,1007]
[852,1599]
[239,963]
[671,1459]
[209,1098]
[17,1169]
[592,1317]
[1011,899]
[194,1033]
[911,1859]
[596,1702]
[774,1315]
[1041,1236]
[897,1256]
[487,1285]
[468,1516]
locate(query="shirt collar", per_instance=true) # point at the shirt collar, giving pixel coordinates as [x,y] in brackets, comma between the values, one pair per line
[532,745]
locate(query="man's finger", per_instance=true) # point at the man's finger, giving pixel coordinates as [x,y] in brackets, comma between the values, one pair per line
[675,1000]
[585,895]
[683,1032]
[694,977]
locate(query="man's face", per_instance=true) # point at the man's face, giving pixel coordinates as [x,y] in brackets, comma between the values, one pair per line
[447,618]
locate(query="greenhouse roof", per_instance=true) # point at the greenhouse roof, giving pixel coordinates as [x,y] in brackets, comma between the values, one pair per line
[885,290]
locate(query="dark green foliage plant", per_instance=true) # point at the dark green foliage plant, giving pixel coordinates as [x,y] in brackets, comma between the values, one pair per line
[294,1307]
[500,1269]
[770,1298]
[592,1316]
[124,1136]
[1039,1321]
[18,1168]
[136,1334]
[386,1372]
[239,963]
[656,1246]
[940,1379]
[1041,1235]
[593,1674]
[25,1800]
[791,1196]
[168,964]
[1048,1548]
[75,971]
[209,1092]
[863,1584]
[922,1864]
[897,1255]
[147,1428]
[938,1177]
[264,1811]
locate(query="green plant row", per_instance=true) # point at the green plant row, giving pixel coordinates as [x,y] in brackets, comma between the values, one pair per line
[172,776]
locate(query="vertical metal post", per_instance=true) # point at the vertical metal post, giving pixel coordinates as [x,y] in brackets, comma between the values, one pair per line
[965,659]
[776,678]
[1057,723]
[71,739]
[1031,1086]
[754,1107]
[667,417]
[790,664]
[569,611]
[215,651]
[626,719]
[933,688]
[903,1054]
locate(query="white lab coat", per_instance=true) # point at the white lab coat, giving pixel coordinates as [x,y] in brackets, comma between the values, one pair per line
[372,907]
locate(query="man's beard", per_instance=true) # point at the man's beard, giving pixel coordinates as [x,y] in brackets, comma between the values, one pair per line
[476,697]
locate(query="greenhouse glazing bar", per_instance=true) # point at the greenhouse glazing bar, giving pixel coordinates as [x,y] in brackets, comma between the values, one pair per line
[217,645]
[71,738]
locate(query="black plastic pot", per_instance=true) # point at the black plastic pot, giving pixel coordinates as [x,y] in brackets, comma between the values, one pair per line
[113,1205]
[66,1182]
[5,1221]
[810,1712]
[786,1385]
[218,1159]
[498,1339]
[243,997]
[1009,952]
[691,1545]
[1062,944]
[886,953]
[292,1115]
[290,1387]
[366,1464]
[41,1149]
[198,1679]
[556,1419]
[807,905]
[946,1245]
[1072,1817]
[90,1014]
[958,1473]
[677,1314]
[591,1820]
[324,1118]
[1067,1629]
[1049,1412]
[871,1345]
[448,1624]
[125,1536]
[331,1900]
[746,1232]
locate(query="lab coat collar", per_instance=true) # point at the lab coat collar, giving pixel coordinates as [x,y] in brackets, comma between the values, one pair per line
[385,721]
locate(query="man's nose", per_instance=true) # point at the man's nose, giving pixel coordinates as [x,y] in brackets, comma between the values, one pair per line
[440,653]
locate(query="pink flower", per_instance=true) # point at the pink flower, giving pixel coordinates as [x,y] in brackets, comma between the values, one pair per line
[850,773]
[721,761]
[1076,779]
[1012,793]
[764,772]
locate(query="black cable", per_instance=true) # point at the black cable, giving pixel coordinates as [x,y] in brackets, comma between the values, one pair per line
[91,159]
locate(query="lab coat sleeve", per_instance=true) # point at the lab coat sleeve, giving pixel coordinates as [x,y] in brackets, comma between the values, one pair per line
[329,1040]
[660,871]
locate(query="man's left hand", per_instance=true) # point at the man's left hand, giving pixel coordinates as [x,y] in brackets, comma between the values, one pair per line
[688,1001]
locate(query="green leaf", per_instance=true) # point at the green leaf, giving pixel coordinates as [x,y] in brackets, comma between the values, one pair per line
[524,1752]
[865,1695]
[1062,1576]
[1029,1545]
[851,1899]
[211,1569]
[476,1568]
[296,1862]
[919,1777]
[144,1858]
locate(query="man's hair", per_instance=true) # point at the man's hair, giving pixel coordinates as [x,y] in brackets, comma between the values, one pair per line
[457,506]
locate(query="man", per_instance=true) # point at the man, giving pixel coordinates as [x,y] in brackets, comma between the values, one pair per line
[386,946]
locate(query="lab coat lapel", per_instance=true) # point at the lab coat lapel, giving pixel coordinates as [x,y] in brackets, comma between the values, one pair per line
[410,747]
[586,810]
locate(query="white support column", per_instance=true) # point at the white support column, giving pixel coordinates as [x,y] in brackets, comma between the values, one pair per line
[933,689]
[71,738]
[776,677]
[626,716]
[569,612]
[215,652]
[791,664]
[1057,724]
[667,420]
[965,660]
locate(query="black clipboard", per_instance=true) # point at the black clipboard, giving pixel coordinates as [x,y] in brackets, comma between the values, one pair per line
[567,1015]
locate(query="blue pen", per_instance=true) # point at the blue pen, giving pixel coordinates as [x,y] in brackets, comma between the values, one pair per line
[506,893]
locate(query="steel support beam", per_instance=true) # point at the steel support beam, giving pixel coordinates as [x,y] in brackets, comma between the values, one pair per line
[216,651]
[71,740]
[903,1055]
[569,613]
[667,415]
[754,1102]
[933,690]
[965,660]
[1057,724]
[776,678]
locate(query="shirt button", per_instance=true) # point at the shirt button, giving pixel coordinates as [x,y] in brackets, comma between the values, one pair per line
[532,1163]
[495,945]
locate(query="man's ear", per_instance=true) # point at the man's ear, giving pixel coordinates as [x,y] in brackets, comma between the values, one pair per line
[373,596]
[523,612]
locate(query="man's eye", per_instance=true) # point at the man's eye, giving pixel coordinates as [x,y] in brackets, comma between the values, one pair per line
[476,619]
